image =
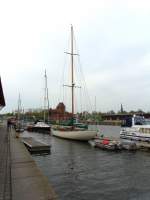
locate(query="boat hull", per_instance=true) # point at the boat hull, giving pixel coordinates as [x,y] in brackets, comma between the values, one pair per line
[46,130]
[84,135]
[107,147]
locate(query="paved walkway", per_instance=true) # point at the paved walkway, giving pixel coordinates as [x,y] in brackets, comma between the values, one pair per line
[5,167]
[20,178]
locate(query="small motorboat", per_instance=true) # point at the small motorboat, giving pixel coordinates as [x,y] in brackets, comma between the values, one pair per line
[108,146]
[106,143]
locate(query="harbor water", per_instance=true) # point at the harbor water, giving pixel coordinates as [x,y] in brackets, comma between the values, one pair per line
[78,171]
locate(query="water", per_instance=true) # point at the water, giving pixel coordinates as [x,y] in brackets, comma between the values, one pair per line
[78,171]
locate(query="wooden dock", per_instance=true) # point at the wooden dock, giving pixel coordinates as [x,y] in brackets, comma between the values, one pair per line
[35,146]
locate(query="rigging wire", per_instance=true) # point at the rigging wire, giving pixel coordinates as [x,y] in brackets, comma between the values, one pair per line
[82,81]
[79,81]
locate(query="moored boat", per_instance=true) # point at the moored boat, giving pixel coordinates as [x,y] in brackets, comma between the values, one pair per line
[76,134]
[138,129]
[73,132]
[106,143]
[109,146]
[40,127]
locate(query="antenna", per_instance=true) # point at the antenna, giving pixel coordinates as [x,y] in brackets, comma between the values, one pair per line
[45,96]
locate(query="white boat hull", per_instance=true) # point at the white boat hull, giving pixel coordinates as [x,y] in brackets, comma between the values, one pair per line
[84,135]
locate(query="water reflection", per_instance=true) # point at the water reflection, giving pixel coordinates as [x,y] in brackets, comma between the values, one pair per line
[78,171]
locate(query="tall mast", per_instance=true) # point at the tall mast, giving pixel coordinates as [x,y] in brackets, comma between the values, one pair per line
[45,95]
[46,99]
[72,72]
[19,107]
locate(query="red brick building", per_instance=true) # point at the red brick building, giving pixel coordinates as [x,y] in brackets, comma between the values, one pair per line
[2,100]
[60,113]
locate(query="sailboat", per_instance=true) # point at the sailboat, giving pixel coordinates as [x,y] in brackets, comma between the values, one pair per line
[42,126]
[72,132]
[19,126]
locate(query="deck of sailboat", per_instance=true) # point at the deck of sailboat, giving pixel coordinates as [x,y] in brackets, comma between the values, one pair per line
[67,128]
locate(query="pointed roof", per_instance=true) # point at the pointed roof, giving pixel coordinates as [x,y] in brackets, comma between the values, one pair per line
[2,99]
[61,106]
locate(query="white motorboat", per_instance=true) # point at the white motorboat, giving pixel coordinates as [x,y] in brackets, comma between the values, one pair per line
[40,127]
[139,129]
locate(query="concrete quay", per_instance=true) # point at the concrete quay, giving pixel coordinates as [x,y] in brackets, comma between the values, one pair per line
[5,165]
[20,178]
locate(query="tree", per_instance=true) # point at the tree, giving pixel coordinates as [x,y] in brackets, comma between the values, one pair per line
[111,112]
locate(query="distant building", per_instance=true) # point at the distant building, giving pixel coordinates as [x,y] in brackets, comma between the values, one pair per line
[59,113]
[2,99]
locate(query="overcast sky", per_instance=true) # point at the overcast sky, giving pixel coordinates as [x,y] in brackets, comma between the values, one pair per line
[112,37]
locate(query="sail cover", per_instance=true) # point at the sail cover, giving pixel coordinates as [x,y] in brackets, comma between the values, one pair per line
[2,99]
